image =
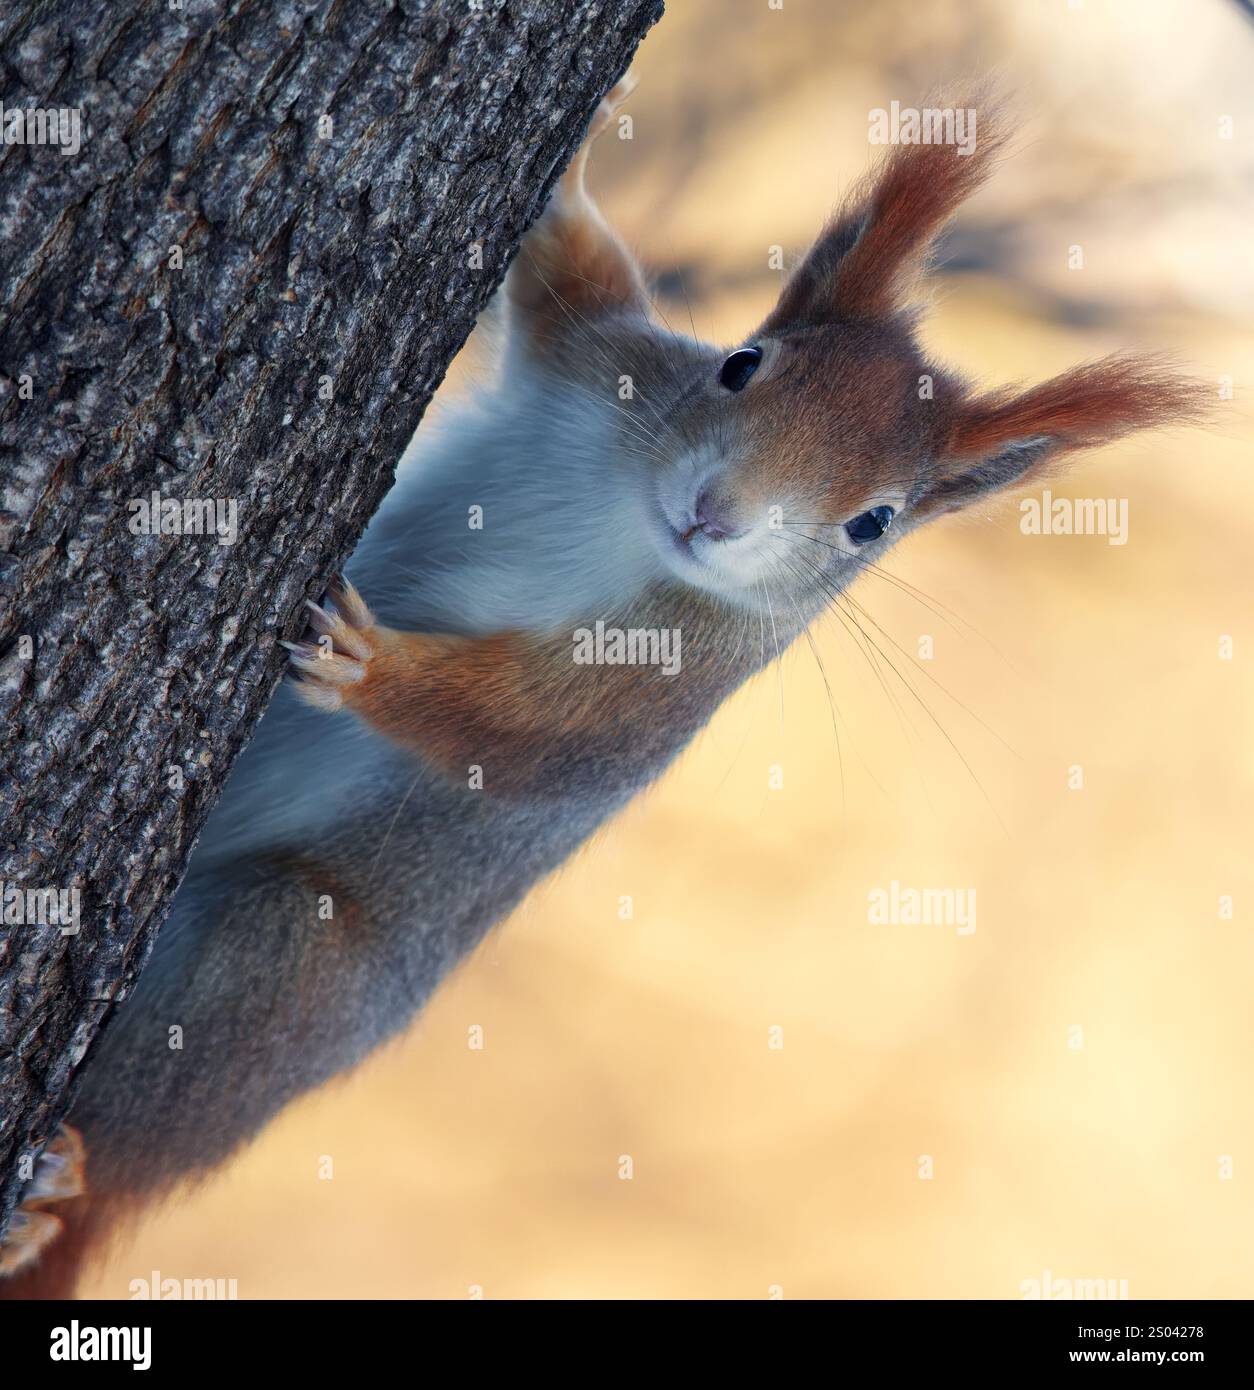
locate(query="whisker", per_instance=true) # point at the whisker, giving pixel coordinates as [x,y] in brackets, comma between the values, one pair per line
[827,685]
[837,597]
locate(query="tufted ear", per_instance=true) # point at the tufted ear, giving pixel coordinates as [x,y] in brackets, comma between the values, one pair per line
[994,441]
[869,256]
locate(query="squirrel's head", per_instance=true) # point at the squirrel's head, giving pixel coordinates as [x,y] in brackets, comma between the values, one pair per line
[799,456]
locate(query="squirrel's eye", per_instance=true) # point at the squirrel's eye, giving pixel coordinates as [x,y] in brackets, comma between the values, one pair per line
[739,367]
[870,526]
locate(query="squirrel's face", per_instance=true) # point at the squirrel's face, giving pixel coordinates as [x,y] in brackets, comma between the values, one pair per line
[796,459]
[782,468]
[792,462]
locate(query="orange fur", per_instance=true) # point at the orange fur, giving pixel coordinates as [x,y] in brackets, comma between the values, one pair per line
[831,423]
[573,263]
[868,257]
[499,702]
[322,880]
[1085,406]
[77,1225]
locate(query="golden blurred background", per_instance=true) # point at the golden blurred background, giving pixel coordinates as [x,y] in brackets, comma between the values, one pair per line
[797,1168]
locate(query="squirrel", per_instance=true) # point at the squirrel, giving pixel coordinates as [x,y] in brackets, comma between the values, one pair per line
[440,748]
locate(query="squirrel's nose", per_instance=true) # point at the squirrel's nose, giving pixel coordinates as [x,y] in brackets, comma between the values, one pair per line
[715,516]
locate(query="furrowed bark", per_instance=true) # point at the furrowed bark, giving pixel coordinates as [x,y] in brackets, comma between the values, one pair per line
[281,224]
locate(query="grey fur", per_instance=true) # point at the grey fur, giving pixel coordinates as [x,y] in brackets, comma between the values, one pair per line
[272,1001]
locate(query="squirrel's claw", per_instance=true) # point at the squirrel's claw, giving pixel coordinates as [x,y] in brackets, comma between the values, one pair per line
[343,637]
[59,1175]
[350,604]
[327,666]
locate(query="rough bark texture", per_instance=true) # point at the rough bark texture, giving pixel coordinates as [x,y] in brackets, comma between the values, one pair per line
[328,274]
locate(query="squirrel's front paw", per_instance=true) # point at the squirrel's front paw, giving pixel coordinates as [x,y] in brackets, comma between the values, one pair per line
[336,653]
[59,1174]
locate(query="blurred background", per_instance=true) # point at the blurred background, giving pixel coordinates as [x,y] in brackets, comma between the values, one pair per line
[1075,1075]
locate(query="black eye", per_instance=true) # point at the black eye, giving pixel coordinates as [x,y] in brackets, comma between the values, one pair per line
[870,526]
[739,367]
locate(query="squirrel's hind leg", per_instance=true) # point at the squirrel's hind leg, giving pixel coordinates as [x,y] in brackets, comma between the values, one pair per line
[36,1226]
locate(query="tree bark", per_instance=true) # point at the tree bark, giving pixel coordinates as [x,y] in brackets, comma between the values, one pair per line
[282,222]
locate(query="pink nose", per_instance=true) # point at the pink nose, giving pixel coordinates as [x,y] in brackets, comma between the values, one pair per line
[715,516]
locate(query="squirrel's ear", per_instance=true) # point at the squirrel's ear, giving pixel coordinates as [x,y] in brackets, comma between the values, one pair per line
[994,441]
[869,256]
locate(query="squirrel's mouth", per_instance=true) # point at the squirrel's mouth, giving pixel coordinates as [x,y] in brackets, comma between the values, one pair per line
[678,549]
[683,539]
[684,534]
[680,542]
[698,545]
[696,558]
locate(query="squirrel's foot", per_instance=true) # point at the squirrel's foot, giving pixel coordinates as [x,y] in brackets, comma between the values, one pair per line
[338,649]
[60,1173]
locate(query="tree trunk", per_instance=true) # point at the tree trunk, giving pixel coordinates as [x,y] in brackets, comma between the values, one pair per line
[281,224]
